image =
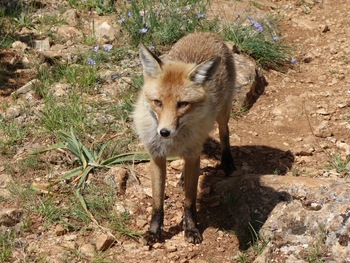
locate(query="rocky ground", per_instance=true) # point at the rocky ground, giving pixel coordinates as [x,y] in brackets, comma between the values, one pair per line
[282,147]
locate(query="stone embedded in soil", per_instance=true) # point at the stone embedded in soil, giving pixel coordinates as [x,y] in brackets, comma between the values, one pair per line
[42,45]
[87,250]
[10,216]
[323,130]
[26,88]
[250,82]
[19,45]
[103,241]
[60,230]
[170,248]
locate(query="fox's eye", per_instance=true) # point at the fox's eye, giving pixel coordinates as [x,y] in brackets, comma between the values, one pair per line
[157,103]
[182,104]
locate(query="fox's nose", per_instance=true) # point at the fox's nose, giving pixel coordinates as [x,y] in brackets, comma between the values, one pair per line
[164,132]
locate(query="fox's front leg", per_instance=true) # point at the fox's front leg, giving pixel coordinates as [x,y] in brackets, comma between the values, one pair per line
[191,174]
[158,175]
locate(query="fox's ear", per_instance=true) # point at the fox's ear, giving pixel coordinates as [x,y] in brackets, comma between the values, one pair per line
[205,71]
[152,65]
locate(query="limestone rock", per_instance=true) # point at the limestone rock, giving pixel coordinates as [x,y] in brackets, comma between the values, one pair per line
[250,82]
[105,31]
[42,45]
[60,230]
[296,211]
[20,45]
[103,241]
[87,250]
[26,88]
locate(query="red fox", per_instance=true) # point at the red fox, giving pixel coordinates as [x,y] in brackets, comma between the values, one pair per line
[184,93]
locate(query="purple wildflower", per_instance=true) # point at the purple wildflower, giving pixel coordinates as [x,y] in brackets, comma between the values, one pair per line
[121,21]
[108,47]
[91,62]
[256,24]
[275,38]
[293,60]
[201,15]
[96,48]
[128,14]
[143,30]
[152,47]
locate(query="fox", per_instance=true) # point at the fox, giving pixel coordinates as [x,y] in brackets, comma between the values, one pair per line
[184,93]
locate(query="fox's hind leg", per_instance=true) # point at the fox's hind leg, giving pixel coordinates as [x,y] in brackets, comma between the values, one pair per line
[227,162]
[158,176]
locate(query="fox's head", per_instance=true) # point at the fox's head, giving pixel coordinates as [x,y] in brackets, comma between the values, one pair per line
[175,91]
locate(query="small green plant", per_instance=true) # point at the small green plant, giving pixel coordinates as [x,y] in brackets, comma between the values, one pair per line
[119,224]
[102,7]
[6,244]
[259,243]
[340,165]
[49,210]
[11,135]
[163,22]
[89,161]
[259,40]
[316,252]
[242,257]
[56,115]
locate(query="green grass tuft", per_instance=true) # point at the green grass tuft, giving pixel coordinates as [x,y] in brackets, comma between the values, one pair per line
[163,22]
[6,244]
[259,40]
[340,165]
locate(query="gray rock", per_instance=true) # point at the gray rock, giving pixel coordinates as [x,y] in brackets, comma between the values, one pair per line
[105,31]
[42,45]
[296,214]
[13,112]
[250,82]
[323,130]
[19,45]
[25,89]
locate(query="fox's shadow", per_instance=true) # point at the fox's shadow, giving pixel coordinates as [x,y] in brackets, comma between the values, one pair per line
[239,202]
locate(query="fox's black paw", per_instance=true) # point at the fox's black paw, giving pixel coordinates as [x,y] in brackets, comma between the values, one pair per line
[227,163]
[193,236]
[150,238]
